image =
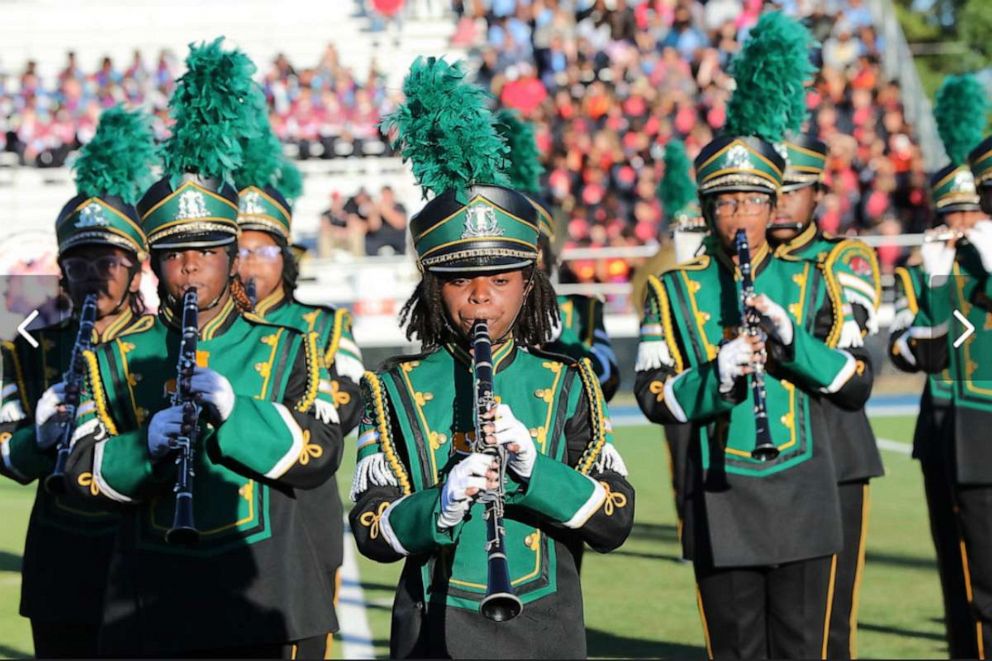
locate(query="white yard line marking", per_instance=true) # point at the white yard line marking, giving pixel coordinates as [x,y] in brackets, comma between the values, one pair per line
[894,446]
[355,634]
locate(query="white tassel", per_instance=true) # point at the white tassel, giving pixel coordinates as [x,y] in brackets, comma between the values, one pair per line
[347,366]
[850,335]
[610,460]
[12,412]
[856,298]
[653,355]
[326,412]
[372,471]
[902,320]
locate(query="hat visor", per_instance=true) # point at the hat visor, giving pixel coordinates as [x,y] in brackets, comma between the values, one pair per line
[481,265]
[195,240]
[789,186]
[959,206]
[250,226]
[101,239]
[738,187]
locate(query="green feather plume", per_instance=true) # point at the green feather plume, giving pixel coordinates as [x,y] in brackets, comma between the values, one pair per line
[118,160]
[962,114]
[677,189]
[264,163]
[208,106]
[289,180]
[261,154]
[445,130]
[523,167]
[771,70]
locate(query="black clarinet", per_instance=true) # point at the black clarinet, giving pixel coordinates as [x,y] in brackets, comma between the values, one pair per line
[252,291]
[500,603]
[183,529]
[764,448]
[74,379]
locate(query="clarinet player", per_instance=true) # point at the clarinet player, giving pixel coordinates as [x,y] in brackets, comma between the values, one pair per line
[761,528]
[425,482]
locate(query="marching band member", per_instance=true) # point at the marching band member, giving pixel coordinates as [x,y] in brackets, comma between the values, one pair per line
[954,276]
[101,247]
[248,395]
[762,521]
[424,486]
[850,267]
[266,183]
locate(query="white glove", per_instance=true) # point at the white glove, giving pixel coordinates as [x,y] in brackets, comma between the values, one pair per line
[938,258]
[732,361]
[510,430]
[215,393]
[776,314]
[48,422]
[980,236]
[467,473]
[164,426]
[556,330]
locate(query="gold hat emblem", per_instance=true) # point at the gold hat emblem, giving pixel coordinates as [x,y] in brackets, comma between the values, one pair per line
[192,205]
[91,216]
[480,220]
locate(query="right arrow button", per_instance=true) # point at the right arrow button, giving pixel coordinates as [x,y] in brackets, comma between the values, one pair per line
[968,329]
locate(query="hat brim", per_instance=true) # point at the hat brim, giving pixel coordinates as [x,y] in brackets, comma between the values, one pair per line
[959,206]
[195,240]
[482,265]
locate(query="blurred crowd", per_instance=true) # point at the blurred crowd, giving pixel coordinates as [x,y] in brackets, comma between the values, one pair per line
[321,111]
[609,83]
[363,225]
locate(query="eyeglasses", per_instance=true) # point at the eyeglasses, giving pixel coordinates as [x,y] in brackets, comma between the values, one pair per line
[79,268]
[748,206]
[263,253]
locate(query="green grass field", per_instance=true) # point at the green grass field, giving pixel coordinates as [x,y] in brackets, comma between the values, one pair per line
[640,600]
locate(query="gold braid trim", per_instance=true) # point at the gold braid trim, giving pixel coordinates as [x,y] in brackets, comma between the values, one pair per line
[18,376]
[590,383]
[313,373]
[837,300]
[340,319]
[665,312]
[96,389]
[385,438]
[907,284]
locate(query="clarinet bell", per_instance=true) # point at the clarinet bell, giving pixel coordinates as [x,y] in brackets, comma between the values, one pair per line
[501,607]
[765,451]
[183,530]
[55,483]
[499,604]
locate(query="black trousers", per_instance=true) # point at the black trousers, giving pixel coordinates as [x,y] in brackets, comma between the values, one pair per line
[55,640]
[854,506]
[974,505]
[776,612]
[945,531]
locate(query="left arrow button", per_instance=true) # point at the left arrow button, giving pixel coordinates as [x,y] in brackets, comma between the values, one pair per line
[21,329]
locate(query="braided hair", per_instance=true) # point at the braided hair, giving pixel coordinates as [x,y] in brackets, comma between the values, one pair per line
[532,327]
